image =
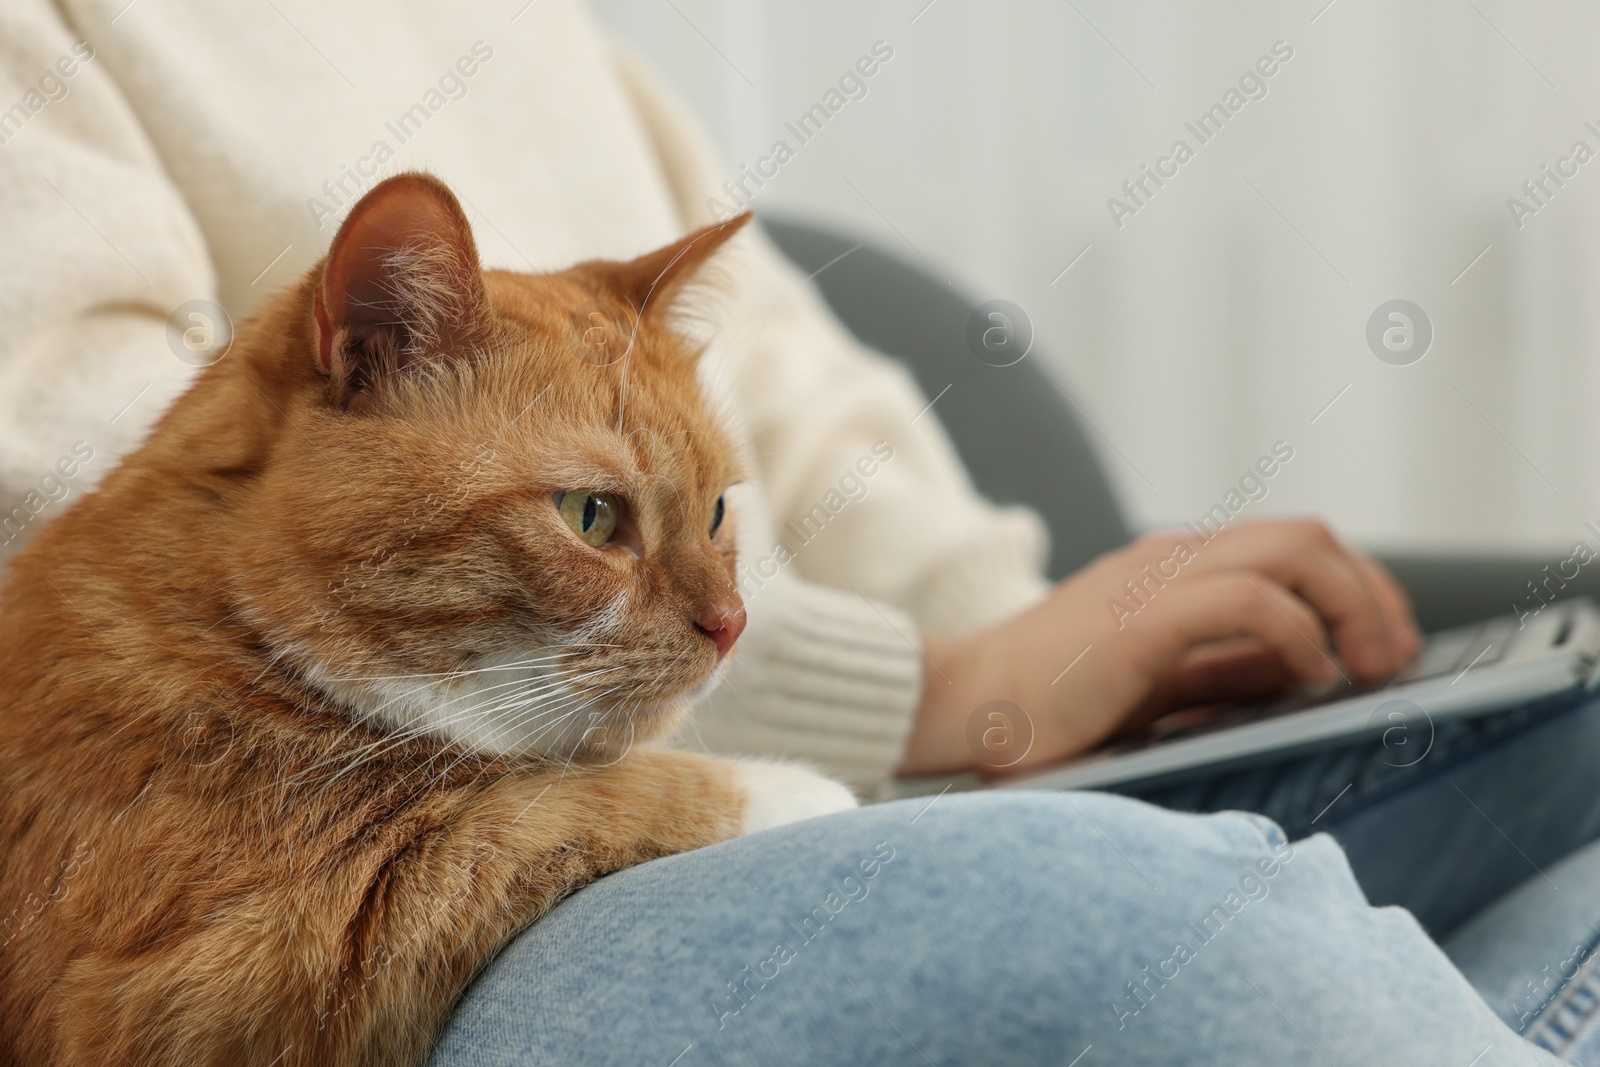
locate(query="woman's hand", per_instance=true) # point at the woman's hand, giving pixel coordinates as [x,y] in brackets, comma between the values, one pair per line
[1165,623]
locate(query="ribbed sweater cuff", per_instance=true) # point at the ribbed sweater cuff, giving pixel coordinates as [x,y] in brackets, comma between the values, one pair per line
[827,678]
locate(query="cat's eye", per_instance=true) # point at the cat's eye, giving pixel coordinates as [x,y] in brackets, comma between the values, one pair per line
[717,514]
[592,516]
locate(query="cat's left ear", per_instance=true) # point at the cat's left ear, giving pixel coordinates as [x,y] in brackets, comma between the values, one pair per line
[650,283]
[401,286]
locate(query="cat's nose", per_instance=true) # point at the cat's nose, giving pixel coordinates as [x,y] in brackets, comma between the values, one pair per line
[723,622]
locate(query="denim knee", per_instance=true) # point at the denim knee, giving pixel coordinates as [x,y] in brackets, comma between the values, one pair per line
[1085,823]
[1071,920]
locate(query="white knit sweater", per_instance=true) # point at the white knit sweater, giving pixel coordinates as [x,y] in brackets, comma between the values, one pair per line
[200,150]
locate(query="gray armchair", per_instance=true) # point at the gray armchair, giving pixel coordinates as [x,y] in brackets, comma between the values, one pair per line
[1025,442]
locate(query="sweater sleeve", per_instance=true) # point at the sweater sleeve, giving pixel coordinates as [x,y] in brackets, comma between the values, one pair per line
[99,250]
[867,531]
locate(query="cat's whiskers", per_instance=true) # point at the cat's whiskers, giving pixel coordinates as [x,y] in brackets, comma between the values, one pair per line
[541,688]
[622,713]
[531,706]
[400,703]
[282,654]
[478,709]
[561,720]
[559,689]
[512,732]
[543,708]
[446,677]
[393,738]
[521,723]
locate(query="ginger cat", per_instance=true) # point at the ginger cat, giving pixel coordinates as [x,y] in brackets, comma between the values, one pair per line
[346,675]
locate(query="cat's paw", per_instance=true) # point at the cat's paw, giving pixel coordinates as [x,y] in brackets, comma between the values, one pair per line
[781,793]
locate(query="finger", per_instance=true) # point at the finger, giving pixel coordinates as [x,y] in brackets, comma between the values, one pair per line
[1237,604]
[1305,558]
[1225,673]
[1396,606]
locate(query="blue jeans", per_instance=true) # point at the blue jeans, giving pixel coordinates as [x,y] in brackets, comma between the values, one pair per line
[1046,928]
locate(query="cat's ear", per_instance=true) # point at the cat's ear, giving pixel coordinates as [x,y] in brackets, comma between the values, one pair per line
[649,284]
[401,286]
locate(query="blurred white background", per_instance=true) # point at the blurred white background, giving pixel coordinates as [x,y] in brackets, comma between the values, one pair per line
[1231,309]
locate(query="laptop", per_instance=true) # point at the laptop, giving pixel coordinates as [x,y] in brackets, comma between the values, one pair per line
[1470,670]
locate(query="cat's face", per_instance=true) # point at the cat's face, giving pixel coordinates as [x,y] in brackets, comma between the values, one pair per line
[497,511]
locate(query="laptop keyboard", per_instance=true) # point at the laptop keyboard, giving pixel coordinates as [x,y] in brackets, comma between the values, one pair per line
[1461,649]
[1450,653]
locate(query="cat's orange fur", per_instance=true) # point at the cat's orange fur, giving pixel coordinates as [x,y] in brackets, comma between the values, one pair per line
[226,837]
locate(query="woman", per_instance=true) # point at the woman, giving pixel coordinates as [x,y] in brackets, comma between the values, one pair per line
[160,158]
